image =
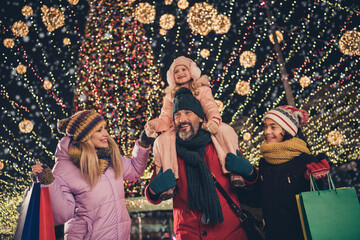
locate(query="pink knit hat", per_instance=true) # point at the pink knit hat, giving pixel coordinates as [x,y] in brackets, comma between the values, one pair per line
[289,118]
[195,71]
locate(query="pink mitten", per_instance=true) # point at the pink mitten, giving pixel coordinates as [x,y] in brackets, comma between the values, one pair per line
[211,126]
[150,130]
[318,170]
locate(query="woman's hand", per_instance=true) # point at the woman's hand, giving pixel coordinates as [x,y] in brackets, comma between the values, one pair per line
[36,169]
[43,172]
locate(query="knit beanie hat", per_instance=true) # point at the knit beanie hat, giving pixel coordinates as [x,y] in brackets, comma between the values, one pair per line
[82,125]
[194,70]
[184,100]
[289,118]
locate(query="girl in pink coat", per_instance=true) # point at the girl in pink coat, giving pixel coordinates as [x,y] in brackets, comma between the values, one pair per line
[184,72]
[86,184]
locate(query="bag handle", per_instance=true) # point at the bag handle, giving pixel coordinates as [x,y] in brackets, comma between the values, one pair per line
[314,186]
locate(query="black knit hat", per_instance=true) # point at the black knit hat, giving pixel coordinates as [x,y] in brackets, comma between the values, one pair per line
[185,100]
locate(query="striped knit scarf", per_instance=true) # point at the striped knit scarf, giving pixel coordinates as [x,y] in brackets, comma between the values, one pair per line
[277,153]
[201,189]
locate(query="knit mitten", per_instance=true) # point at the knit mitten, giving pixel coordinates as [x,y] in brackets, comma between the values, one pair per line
[144,139]
[238,164]
[318,170]
[46,177]
[163,181]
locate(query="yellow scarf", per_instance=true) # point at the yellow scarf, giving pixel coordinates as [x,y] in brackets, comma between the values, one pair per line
[277,153]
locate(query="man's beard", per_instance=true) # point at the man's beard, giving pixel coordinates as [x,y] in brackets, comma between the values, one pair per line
[187,135]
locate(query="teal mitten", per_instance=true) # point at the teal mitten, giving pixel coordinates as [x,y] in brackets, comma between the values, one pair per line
[163,181]
[238,164]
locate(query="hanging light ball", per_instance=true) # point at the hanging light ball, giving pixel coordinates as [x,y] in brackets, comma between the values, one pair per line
[335,137]
[162,31]
[246,136]
[145,13]
[26,126]
[221,24]
[201,17]
[1,166]
[242,88]
[247,59]
[205,53]
[183,4]
[349,43]
[167,21]
[9,43]
[66,41]
[168,2]
[52,18]
[47,85]
[279,37]
[27,11]
[219,105]
[20,29]
[73,2]
[304,81]
[21,69]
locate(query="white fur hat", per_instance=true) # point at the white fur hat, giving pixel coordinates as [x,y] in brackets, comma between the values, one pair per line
[194,70]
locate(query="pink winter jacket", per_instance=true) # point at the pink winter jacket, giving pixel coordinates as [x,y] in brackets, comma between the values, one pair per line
[205,97]
[99,213]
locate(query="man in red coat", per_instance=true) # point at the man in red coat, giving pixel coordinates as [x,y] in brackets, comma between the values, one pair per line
[200,211]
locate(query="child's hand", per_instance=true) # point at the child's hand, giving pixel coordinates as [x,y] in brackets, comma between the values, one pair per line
[150,130]
[211,126]
[318,170]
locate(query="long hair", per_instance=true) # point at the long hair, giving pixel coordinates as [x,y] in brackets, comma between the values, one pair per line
[172,89]
[90,165]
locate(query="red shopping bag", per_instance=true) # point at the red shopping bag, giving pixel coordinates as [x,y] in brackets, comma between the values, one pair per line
[46,226]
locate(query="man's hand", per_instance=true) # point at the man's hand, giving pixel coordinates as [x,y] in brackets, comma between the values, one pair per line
[318,170]
[146,141]
[163,181]
[238,164]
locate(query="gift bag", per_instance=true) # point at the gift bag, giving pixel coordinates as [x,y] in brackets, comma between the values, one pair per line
[329,214]
[36,220]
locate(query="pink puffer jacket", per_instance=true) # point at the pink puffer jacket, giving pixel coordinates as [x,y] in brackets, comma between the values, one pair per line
[99,213]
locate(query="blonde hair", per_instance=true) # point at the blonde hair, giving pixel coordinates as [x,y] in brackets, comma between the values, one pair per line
[172,89]
[89,161]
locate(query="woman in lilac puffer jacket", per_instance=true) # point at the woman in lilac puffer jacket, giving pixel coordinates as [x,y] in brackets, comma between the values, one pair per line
[86,184]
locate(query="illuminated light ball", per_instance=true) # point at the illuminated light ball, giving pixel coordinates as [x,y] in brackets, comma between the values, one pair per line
[145,13]
[219,105]
[27,11]
[242,88]
[1,166]
[279,37]
[26,126]
[335,137]
[66,41]
[21,69]
[9,43]
[304,81]
[201,17]
[349,43]
[52,18]
[167,21]
[20,29]
[221,24]
[246,136]
[162,32]
[47,84]
[73,2]
[205,53]
[162,84]
[168,2]
[82,98]
[247,59]
[183,4]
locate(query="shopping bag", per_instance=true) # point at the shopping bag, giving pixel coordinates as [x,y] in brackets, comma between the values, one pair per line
[329,214]
[28,225]
[46,225]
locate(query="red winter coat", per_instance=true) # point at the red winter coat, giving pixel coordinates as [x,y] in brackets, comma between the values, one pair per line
[187,223]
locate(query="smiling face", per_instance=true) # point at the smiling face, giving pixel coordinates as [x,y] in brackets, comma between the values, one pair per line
[99,138]
[273,132]
[186,124]
[182,75]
